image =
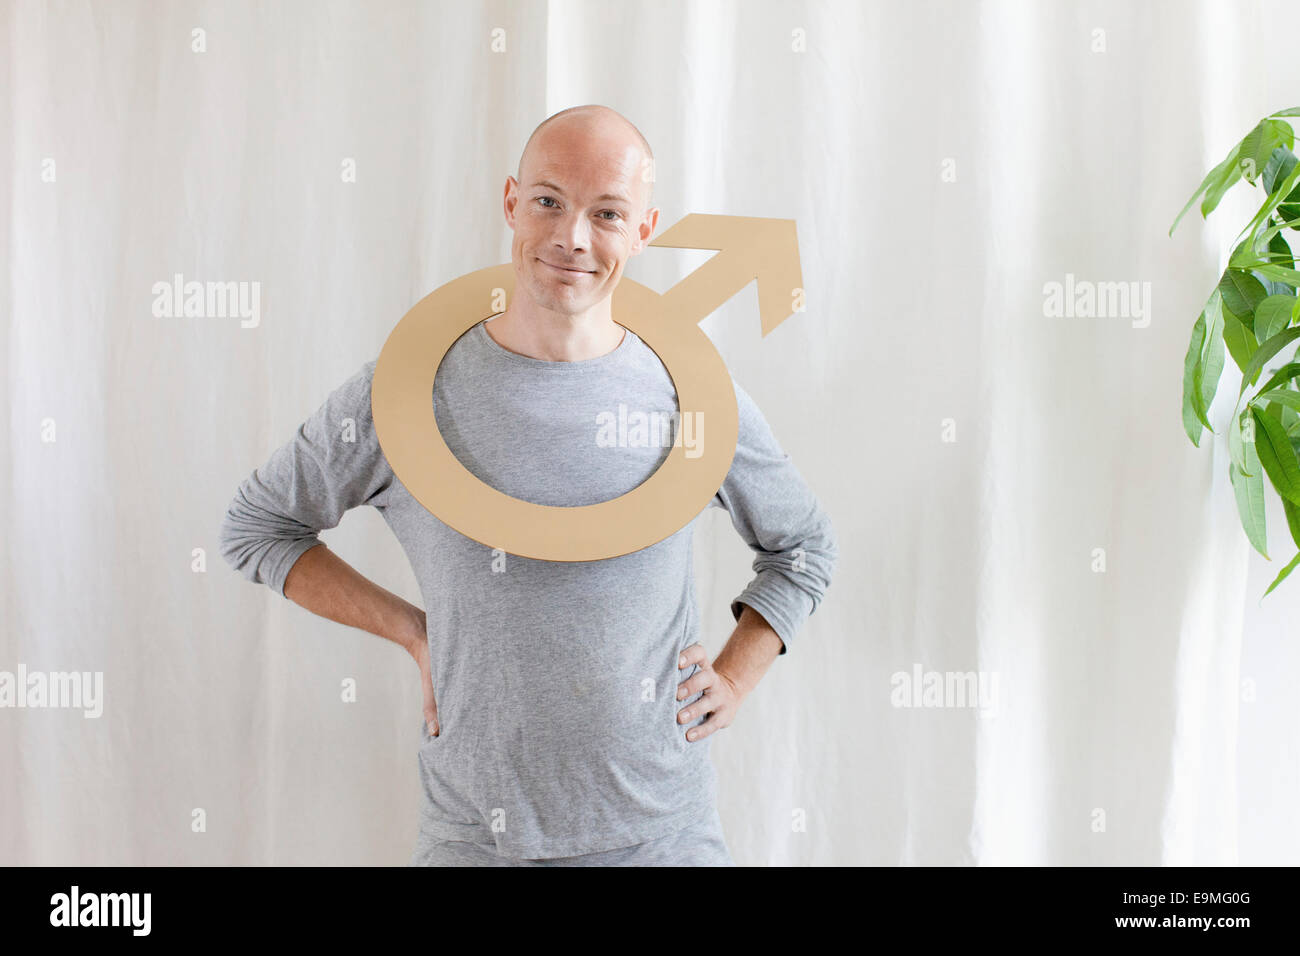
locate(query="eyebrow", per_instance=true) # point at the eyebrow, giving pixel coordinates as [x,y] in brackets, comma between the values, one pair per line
[607,197]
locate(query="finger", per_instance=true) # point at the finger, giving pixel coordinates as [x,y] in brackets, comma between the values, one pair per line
[706,704]
[711,725]
[695,654]
[431,716]
[700,680]
[706,729]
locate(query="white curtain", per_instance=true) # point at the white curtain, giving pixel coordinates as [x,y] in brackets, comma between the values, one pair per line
[1013,493]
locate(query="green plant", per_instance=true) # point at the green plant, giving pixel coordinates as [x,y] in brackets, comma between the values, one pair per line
[1251,313]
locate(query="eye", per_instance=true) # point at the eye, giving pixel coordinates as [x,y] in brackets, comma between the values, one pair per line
[544,199]
[615,213]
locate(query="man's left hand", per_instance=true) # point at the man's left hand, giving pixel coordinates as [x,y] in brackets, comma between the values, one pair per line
[720,700]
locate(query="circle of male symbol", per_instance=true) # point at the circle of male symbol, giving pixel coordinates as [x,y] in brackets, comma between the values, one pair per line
[402,405]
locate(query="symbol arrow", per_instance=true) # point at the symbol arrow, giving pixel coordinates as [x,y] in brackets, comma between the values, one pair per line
[748,249]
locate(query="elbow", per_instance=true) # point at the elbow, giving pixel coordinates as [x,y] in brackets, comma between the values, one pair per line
[233,544]
[815,562]
[243,541]
[260,554]
[820,551]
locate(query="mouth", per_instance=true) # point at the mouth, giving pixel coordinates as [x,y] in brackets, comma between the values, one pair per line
[563,271]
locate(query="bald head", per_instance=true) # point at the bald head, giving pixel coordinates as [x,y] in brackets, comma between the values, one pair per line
[600,126]
[579,209]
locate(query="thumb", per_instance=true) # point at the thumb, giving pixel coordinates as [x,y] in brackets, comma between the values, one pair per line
[431,716]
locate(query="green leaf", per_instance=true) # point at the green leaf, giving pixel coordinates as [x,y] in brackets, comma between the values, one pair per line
[1281,273]
[1257,147]
[1247,255]
[1285,374]
[1292,520]
[1290,209]
[1237,447]
[1279,254]
[1249,492]
[1280,251]
[1279,164]
[1211,367]
[1266,351]
[1282,576]
[1240,340]
[1219,188]
[1241,293]
[1282,396]
[1276,455]
[1193,410]
[1202,367]
[1218,179]
[1293,111]
[1273,411]
[1271,202]
[1273,315]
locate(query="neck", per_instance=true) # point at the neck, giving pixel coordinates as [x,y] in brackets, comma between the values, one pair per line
[554,336]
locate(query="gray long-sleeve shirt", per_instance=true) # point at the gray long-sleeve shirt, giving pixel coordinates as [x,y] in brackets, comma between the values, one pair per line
[555,681]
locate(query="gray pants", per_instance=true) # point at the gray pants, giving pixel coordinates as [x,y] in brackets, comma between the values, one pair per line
[698,844]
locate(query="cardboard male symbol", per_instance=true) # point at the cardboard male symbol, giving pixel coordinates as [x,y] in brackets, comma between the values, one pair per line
[402,389]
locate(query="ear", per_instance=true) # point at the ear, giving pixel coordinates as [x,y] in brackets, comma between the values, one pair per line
[645,230]
[510,199]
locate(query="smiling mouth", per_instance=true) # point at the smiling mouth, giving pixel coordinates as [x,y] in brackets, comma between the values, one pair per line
[562,269]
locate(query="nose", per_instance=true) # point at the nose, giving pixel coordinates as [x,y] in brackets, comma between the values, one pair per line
[572,235]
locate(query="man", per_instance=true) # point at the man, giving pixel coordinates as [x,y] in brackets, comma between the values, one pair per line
[573,705]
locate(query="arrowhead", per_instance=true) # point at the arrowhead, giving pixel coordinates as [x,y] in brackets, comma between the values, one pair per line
[748,249]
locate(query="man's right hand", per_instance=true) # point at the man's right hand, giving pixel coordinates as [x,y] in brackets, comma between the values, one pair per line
[325,584]
[419,649]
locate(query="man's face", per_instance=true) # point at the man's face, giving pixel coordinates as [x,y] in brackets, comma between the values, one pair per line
[576,217]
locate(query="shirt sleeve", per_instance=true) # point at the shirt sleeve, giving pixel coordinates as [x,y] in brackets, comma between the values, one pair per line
[332,464]
[781,520]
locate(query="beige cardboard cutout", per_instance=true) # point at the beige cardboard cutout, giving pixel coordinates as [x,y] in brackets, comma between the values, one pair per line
[402,395]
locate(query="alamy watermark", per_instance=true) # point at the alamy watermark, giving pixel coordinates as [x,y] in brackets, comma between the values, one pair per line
[653,429]
[74,690]
[1085,299]
[76,908]
[949,689]
[179,299]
